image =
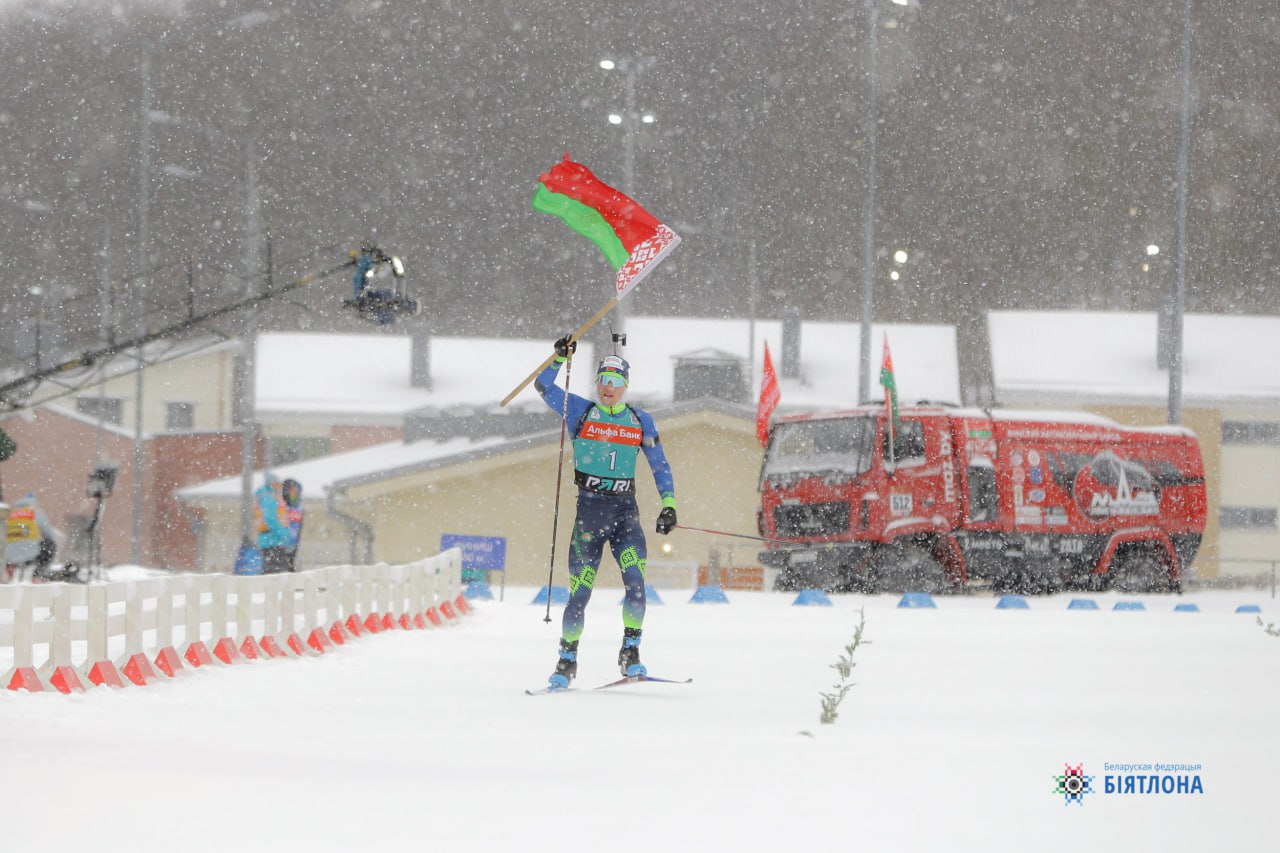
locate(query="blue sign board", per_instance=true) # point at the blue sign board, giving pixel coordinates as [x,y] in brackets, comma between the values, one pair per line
[479,553]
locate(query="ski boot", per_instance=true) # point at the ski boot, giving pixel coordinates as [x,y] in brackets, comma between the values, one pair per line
[629,654]
[566,666]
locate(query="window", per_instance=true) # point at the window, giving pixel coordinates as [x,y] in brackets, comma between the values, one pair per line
[982,493]
[908,441]
[1250,432]
[106,409]
[283,451]
[1247,517]
[179,416]
[820,445]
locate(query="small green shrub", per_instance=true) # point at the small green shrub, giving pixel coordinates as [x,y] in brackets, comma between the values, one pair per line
[844,666]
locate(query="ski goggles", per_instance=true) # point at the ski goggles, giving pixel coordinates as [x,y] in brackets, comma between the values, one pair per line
[612,379]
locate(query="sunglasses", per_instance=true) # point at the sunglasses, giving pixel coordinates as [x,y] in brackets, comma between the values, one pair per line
[611,379]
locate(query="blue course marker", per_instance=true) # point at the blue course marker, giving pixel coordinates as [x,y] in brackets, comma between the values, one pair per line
[558,595]
[812,598]
[917,601]
[709,595]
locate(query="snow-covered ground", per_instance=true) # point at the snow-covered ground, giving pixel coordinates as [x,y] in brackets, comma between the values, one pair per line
[959,720]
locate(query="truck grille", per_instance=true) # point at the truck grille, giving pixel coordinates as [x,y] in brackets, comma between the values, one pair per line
[831,519]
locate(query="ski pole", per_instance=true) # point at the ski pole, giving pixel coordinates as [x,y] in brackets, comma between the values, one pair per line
[735,535]
[555,517]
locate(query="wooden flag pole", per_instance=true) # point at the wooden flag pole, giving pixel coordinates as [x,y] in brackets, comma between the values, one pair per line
[613,303]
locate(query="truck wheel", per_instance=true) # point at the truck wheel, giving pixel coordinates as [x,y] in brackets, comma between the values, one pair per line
[908,568]
[1137,571]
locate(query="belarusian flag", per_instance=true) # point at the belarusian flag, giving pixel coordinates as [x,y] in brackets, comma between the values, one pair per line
[769,397]
[629,236]
[890,391]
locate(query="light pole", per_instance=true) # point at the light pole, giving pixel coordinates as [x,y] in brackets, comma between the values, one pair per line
[144,264]
[631,121]
[1180,261]
[753,302]
[252,272]
[869,207]
[1164,307]
[252,267]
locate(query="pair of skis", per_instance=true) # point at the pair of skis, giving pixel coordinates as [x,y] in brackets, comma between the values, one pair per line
[630,679]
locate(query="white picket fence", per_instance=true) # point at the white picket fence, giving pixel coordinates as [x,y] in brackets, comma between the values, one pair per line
[69,637]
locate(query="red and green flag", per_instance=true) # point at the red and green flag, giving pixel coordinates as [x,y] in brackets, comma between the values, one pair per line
[890,391]
[630,237]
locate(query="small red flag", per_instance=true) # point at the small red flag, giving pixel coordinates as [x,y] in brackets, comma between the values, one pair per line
[769,396]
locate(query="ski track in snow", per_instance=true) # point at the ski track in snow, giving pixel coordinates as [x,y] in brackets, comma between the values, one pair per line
[959,719]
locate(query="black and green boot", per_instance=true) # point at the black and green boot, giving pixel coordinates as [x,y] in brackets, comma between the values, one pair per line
[629,654]
[566,666]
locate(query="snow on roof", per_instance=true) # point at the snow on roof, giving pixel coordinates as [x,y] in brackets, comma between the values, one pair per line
[300,373]
[318,475]
[924,358]
[1046,355]
[369,374]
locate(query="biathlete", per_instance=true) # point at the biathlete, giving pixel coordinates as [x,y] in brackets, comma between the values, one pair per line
[607,435]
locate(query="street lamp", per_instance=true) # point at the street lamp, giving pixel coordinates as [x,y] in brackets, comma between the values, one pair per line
[248,352]
[899,258]
[144,266]
[252,267]
[631,122]
[869,209]
[1152,251]
[1180,259]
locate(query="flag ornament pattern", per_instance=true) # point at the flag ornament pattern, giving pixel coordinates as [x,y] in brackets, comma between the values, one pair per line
[890,393]
[770,394]
[630,238]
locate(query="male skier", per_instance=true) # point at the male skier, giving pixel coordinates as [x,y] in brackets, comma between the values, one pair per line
[607,437]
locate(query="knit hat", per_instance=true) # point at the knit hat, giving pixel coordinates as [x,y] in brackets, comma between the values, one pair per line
[614,364]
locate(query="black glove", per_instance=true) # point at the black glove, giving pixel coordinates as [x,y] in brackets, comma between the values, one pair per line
[564,347]
[666,520]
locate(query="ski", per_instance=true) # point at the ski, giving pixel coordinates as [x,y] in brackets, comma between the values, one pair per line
[630,679]
[540,691]
[635,679]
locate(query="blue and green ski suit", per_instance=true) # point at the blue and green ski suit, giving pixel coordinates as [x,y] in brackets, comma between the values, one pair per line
[605,446]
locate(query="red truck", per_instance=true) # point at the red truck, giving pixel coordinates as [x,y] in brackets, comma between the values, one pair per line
[1024,501]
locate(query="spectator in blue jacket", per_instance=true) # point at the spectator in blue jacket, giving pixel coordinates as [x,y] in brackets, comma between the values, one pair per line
[275,540]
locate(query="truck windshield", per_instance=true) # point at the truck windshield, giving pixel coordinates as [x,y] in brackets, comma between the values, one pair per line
[841,445]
